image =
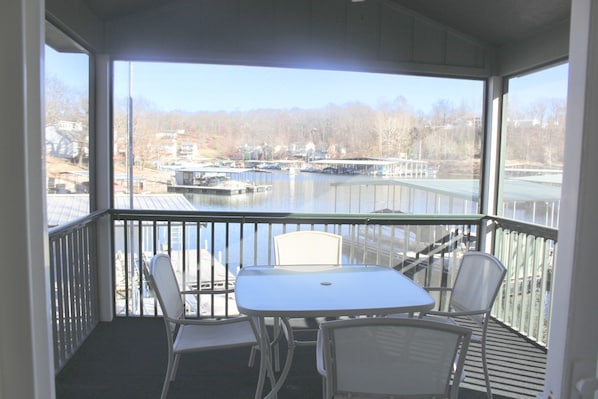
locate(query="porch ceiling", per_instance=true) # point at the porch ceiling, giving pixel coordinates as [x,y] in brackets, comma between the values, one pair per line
[493,22]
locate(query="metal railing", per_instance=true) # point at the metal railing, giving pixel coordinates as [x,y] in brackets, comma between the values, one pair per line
[207,249]
[73,278]
[528,252]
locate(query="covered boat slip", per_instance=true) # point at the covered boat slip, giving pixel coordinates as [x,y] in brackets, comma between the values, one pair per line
[219,180]
[63,208]
[540,202]
[377,167]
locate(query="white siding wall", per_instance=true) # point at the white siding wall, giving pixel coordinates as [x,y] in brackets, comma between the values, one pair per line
[26,359]
[573,345]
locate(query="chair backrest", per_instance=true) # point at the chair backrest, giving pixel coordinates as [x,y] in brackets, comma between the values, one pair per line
[398,357]
[308,248]
[477,283]
[165,287]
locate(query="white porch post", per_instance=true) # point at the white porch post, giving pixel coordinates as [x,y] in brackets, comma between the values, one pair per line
[494,106]
[103,183]
[26,354]
[573,344]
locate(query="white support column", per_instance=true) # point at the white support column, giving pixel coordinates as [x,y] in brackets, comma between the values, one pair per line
[490,167]
[26,350]
[103,183]
[494,109]
[573,343]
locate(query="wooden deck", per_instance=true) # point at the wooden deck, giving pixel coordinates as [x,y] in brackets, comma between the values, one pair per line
[517,366]
[126,358]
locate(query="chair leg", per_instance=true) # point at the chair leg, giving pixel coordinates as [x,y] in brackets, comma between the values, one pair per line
[252,356]
[175,367]
[275,344]
[167,377]
[485,366]
[165,388]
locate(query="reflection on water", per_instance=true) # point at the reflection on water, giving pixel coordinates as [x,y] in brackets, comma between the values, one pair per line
[326,193]
[314,192]
[300,193]
[308,192]
[319,193]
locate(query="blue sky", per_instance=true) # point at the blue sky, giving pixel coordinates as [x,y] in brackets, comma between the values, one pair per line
[546,84]
[192,87]
[215,87]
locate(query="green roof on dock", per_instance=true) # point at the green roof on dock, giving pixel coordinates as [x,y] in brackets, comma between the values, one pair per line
[514,189]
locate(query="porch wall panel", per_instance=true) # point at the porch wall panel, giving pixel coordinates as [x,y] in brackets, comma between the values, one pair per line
[536,51]
[77,21]
[374,35]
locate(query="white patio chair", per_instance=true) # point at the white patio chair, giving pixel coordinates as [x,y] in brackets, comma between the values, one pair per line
[185,336]
[304,250]
[472,296]
[391,358]
[308,248]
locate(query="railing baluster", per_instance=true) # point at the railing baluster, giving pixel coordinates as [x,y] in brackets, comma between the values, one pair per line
[528,252]
[139,266]
[73,285]
[68,320]
[428,249]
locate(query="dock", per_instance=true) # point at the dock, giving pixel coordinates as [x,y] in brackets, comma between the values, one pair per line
[220,190]
[217,180]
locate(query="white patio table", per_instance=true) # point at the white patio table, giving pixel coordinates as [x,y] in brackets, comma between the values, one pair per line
[320,291]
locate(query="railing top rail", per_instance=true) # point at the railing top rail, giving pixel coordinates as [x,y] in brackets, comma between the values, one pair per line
[525,227]
[77,223]
[315,218]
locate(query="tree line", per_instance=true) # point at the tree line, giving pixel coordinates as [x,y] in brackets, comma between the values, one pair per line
[449,132]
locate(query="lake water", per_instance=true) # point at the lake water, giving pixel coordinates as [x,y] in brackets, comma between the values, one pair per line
[303,192]
[316,193]
[312,193]
[299,193]
[327,193]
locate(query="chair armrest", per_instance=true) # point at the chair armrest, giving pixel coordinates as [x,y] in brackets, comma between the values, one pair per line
[443,295]
[447,289]
[209,321]
[320,355]
[455,314]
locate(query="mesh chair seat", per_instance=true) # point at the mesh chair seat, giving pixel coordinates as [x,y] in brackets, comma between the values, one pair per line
[472,296]
[183,335]
[391,358]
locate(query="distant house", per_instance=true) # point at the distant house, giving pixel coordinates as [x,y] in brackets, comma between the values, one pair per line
[188,149]
[63,140]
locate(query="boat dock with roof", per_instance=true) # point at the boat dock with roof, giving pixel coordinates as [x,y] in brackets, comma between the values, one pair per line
[218,180]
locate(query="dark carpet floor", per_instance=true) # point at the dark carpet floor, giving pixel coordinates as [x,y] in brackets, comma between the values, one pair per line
[126,359]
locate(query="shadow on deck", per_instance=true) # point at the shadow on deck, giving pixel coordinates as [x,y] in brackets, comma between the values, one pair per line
[126,358]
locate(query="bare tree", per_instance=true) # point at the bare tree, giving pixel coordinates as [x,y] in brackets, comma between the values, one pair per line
[393,125]
[65,104]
